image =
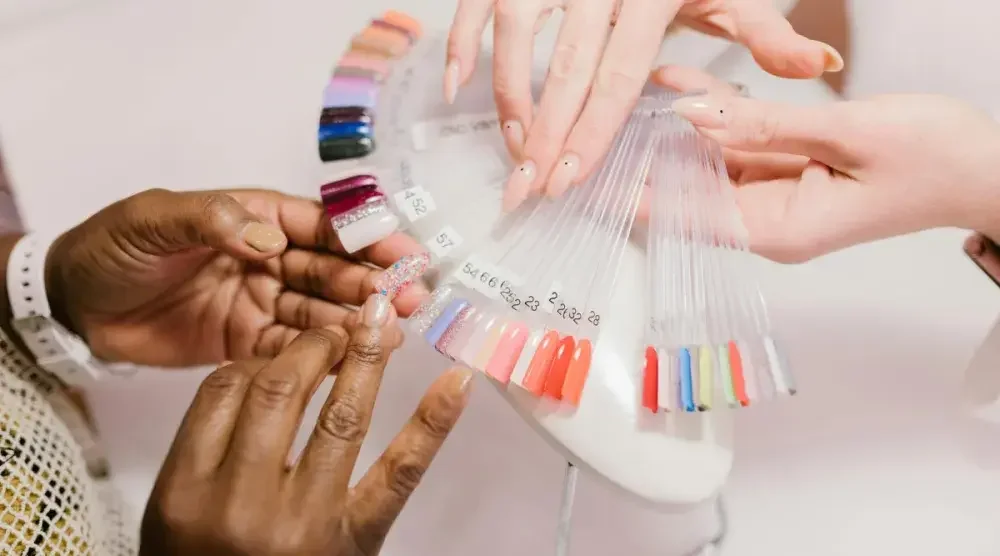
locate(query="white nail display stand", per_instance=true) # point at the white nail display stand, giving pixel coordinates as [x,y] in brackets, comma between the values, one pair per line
[676,458]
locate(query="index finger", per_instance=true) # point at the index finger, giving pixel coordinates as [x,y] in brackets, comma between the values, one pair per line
[571,70]
[620,77]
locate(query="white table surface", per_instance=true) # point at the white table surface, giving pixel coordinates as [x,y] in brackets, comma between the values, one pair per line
[108,97]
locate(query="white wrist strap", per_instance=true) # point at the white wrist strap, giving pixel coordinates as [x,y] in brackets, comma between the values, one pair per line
[56,349]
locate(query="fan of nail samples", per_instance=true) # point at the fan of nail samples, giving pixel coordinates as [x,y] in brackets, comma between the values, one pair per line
[525,306]
[708,338]
[353,198]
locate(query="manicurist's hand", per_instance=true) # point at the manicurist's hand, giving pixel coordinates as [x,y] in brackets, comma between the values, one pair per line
[176,279]
[227,487]
[604,53]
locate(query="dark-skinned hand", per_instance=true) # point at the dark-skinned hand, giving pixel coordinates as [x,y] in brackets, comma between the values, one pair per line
[226,487]
[177,279]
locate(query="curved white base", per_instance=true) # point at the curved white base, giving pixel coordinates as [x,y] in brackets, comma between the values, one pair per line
[674,458]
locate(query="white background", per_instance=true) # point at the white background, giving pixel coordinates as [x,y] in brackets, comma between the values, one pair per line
[102,98]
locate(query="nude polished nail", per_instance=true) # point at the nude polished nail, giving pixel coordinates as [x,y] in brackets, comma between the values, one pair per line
[513,133]
[375,311]
[518,185]
[451,81]
[263,237]
[704,111]
[563,175]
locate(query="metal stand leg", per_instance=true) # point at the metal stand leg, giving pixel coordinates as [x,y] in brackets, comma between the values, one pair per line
[711,548]
[714,546]
[566,510]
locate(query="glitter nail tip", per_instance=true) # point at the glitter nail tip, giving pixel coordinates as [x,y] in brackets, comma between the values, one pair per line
[367,230]
[341,221]
[453,330]
[431,309]
[402,273]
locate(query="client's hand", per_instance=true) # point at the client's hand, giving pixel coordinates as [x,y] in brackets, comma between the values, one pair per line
[604,53]
[227,487]
[815,179]
[176,279]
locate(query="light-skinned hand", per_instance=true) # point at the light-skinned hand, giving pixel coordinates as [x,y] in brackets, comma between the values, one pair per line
[603,56]
[814,179]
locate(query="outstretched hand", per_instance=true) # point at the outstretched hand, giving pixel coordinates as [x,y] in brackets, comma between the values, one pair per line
[228,487]
[815,179]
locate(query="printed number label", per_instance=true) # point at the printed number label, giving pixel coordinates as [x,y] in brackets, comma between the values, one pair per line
[482,277]
[468,274]
[492,281]
[511,298]
[552,299]
[569,313]
[415,203]
[594,318]
[426,134]
[445,241]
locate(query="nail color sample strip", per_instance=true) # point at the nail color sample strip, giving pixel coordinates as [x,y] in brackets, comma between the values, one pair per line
[354,202]
[508,350]
[357,209]
[350,98]
[695,378]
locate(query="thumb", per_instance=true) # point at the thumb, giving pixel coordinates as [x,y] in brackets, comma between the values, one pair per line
[168,222]
[824,133]
[777,47]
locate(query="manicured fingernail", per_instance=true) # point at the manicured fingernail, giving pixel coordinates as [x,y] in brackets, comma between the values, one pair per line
[518,185]
[375,311]
[565,172]
[401,274]
[701,111]
[513,133]
[366,230]
[464,378]
[832,60]
[975,246]
[451,81]
[263,237]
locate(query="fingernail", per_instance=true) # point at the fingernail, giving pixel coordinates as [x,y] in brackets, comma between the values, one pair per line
[375,311]
[451,81]
[975,246]
[832,60]
[701,111]
[401,274]
[263,237]
[365,231]
[465,380]
[562,177]
[518,185]
[513,133]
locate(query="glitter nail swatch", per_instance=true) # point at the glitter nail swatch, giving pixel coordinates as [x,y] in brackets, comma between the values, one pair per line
[402,273]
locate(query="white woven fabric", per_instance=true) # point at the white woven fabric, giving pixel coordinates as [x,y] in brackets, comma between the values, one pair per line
[54,497]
